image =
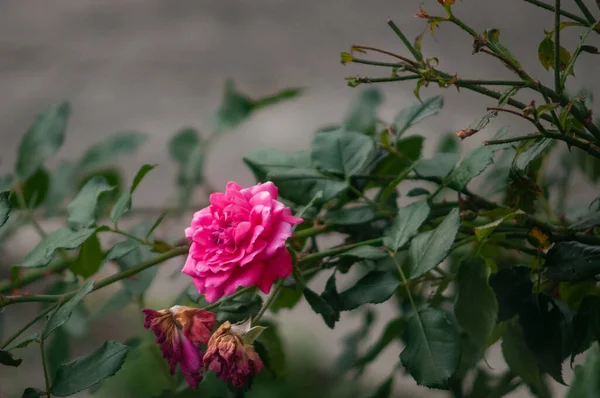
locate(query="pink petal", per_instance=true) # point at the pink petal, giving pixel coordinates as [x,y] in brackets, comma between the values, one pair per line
[241,231]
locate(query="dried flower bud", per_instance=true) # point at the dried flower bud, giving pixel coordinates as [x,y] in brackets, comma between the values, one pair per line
[181,331]
[422,13]
[232,359]
[462,134]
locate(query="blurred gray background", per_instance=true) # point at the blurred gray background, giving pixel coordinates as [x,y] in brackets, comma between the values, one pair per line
[156,66]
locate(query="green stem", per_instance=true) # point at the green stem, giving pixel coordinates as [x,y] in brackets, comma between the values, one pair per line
[368,80]
[409,46]
[102,283]
[567,14]
[557,84]
[511,83]
[128,235]
[405,283]
[27,326]
[463,26]
[269,301]
[338,250]
[30,276]
[586,12]
[45,366]
[516,139]
[376,63]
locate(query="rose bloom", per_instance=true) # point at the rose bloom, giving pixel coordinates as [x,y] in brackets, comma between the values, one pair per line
[231,358]
[239,240]
[181,332]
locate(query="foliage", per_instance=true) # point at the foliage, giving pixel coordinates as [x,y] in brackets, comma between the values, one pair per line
[467,270]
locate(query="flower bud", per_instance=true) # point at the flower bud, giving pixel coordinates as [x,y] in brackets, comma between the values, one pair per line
[232,359]
[181,331]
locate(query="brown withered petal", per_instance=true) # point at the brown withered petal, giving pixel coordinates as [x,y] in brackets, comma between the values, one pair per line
[422,13]
[462,134]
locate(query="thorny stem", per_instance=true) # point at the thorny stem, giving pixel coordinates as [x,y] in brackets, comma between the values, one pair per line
[391,54]
[557,84]
[27,326]
[128,235]
[586,12]
[408,45]
[516,139]
[567,14]
[269,301]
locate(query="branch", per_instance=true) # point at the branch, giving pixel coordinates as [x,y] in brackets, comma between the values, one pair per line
[410,47]
[562,12]
[586,12]
[557,83]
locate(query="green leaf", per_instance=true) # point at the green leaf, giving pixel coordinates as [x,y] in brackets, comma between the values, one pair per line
[280,96]
[417,192]
[384,390]
[34,189]
[448,144]
[240,308]
[587,222]
[362,116]
[114,304]
[89,259]
[6,358]
[58,351]
[301,185]
[546,53]
[407,151]
[4,207]
[105,152]
[274,355]
[571,65]
[235,108]
[183,143]
[366,253]
[32,393]
[512,287]
[492,36]
[349,216]
[432,351]
[429,249]
[64,238]
[407,222]
[572,261]
[121,249]
[84,208]
[322,307]
[342,152]
[519,357]
[393,331]
[415,113]
[83,373]
[476,308]
[42,140]
[484,231]
[586,325]
[535,150]
[471,166]
[375,287]
[438,166]
[123,205]
[23,342]
[269,161]
[586,383]
[253,333]
[62,314]
[542,323]
[156,223]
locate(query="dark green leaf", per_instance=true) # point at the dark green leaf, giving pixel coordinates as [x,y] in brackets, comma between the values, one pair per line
[156,223]
[64,238]
[269,161]
[121,249]
[105,152]
[587,383]
[362,116]
[432,351]
[321,306]
[349,216]
[31,393]
[83,373]
[342,152]
[438,166]
[534,151]
[407,222]
[123,205]
[542,323]
[63,183]
[572,261]
[89,259]
[429,249]
[183,143]
[413,114]
[519,357]
[472,165]
[235,108]
[448,144]
[280,96]
[83,210]
[476,308]
[384,390]
[287,298]
[571,64]
[512,287]
[62,314]
[34,190]
[586,325]
[58,351]
[42,140]
[275,355]
[546,53]
[301,185]
[417,192]
[142,280]
[23,342]
[366,253]
[375,287]
[407,151]
[4,207]
[240,308]
[6,358]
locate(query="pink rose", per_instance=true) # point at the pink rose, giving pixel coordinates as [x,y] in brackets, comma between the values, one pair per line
[239,240]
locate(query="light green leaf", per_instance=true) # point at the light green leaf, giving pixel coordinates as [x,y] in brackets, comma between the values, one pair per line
[342,152]
[4,207]
[476,307]
[23,342]
[518,356]
[492,36]
[587,383]
[251,335]
[105,152]
[375,287]
[406,224]
[432,351]
[123,205]
[415,113]
[89,259]
[484,231]
[438,166]
[83,209]
[532,153]
[471,166]
[362,116]
[62,314]
[42,140]
[430,248]
[349,216]
[64,238]
[83,373]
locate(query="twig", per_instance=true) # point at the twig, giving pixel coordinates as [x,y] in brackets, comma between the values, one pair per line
[391,54]
[557,84]
[564,13]
[27,326]
[409,46]
[586,12]
[510,140]
[269,300]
